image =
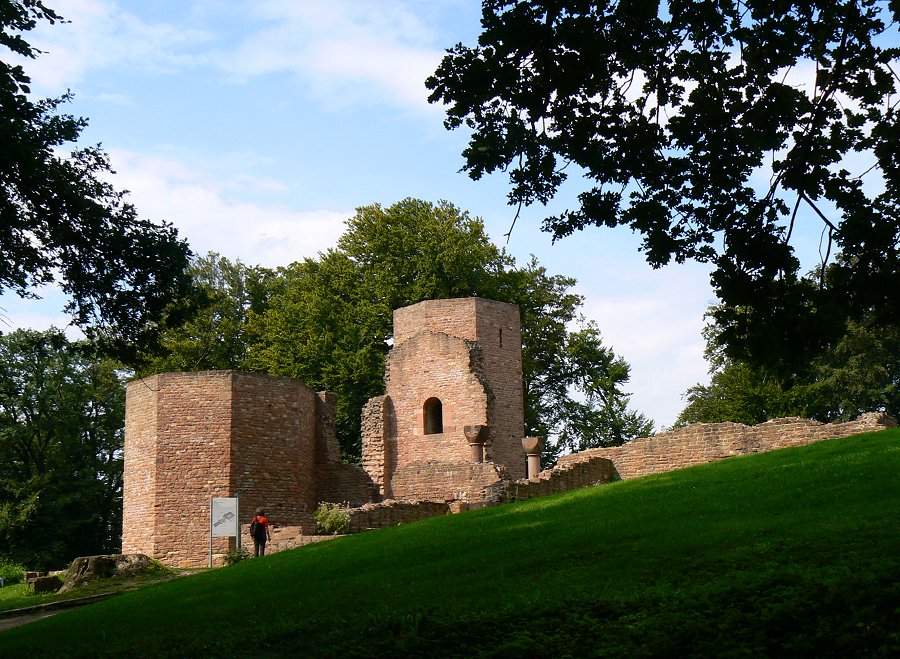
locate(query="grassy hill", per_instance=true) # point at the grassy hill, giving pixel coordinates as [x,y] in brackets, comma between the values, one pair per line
[790,553]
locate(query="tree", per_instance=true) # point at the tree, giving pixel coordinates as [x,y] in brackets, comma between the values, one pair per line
[210,329]
[859,373]
[60,220]
[672,111]
[572,382]
[62,421]
[329,320]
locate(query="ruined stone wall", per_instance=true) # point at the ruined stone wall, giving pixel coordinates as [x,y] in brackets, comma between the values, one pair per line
[456,317]
[378,454]
[706,442]
[570,476]
[139,488]
[438,366]
[392,513]
[499,335]
[194,436]
[448,481]
[467,354]
[345,484]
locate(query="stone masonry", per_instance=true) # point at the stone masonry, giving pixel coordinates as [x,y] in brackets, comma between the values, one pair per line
[454,363]
[270,441]
[190,437]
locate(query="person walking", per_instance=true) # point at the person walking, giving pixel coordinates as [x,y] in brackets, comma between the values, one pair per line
[259,531]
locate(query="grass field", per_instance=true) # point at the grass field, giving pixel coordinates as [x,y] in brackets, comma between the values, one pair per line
[789,553]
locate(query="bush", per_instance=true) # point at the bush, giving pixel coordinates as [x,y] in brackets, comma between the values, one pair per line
[332,519]
[235,555]
[11,572]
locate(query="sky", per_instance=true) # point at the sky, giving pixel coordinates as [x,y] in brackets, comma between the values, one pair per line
[256,128]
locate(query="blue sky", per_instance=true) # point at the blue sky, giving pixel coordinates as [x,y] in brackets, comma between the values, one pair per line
[258,127]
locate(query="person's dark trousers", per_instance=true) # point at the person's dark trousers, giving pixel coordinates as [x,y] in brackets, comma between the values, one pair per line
[259,548]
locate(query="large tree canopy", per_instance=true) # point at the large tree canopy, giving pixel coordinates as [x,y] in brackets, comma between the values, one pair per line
[60,220]
[708,127]
[328,320]
[62,418]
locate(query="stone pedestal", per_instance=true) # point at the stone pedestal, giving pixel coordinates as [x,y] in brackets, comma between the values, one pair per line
[477,435]
[533,447]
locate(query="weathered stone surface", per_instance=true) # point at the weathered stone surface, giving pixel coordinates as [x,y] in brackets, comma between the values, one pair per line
[90,568]
[707,442]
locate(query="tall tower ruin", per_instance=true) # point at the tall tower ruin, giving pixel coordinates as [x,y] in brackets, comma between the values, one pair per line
[454,363]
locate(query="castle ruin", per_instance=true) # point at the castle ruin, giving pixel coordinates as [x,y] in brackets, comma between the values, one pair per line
[446,435]
[449,428]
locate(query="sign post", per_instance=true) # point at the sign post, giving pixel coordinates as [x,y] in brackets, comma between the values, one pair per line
[224,521]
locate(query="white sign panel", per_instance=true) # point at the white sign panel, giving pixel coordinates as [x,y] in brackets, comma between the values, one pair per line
[224,520]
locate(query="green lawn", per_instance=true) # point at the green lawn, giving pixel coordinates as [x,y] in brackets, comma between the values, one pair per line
[790,553]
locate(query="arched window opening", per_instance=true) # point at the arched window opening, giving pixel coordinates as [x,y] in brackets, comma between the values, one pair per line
[434,416]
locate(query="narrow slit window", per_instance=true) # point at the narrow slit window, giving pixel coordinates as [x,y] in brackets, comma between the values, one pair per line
[434,416]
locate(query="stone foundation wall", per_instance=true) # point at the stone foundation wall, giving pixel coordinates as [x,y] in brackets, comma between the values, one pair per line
[707,442]
[448,481]
[392,513]
[571,476]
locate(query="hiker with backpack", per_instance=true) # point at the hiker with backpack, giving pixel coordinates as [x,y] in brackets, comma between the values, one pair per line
[259,531]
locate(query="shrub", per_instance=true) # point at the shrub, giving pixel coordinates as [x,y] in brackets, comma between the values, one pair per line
[235,555]
[332,519]
[11,572]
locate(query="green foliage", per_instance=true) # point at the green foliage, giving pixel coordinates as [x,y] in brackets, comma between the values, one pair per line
[61,219]
[332,519]
[214,335]
[61,437]
[328,322]
[792,552]
[11,572]
[674,113]
[860,372]
[235,555]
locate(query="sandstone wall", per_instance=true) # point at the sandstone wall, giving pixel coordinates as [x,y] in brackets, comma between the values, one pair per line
[194,436]
[393,513]
[433,366]
[467,354]
[378,455]
[448,481]
[273,443]
[706,442]
[193,460]
[139,479]
[571,476]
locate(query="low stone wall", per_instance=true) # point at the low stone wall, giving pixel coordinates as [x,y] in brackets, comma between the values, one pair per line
[392,513]
[571,476]
[707,442]
[447,481]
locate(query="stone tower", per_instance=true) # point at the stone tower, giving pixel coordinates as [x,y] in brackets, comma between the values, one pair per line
[454,363]
[190,437]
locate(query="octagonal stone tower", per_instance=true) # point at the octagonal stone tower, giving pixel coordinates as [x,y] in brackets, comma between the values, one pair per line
[454,363]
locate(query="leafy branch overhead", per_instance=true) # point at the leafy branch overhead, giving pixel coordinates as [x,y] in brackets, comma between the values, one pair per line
[60,220]
[710,128]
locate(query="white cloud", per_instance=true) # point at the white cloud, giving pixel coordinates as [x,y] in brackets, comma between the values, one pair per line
[348,51]
[653,319]
[100,35]
[203,208]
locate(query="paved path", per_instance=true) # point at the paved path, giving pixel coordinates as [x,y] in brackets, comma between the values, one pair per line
[15,621]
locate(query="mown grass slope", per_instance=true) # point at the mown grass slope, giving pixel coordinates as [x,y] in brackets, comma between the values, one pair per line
[790,553]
